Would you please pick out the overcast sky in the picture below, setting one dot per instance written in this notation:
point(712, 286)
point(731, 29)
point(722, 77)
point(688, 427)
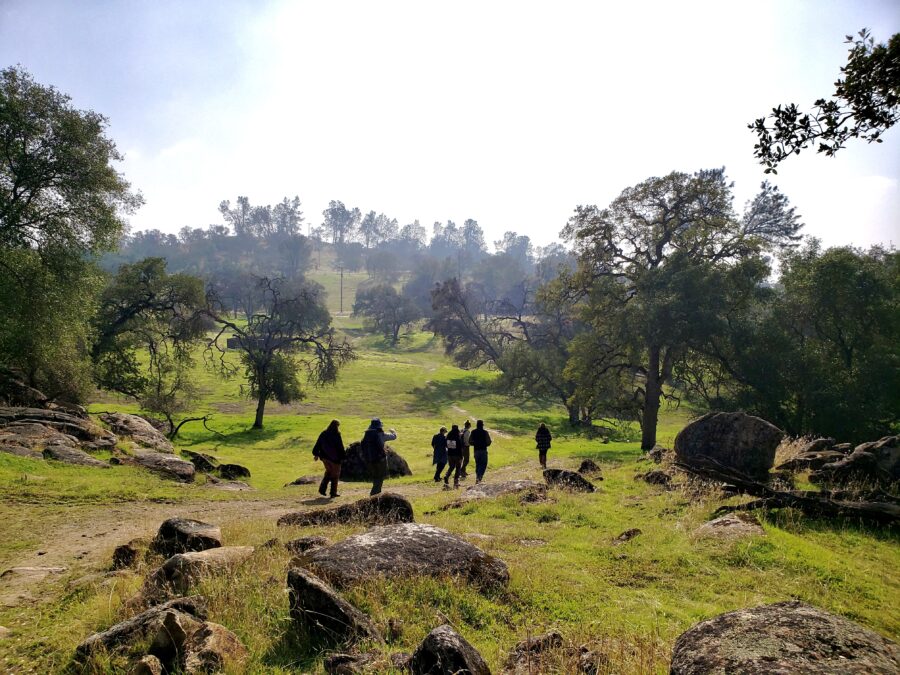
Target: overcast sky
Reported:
point(511, 113)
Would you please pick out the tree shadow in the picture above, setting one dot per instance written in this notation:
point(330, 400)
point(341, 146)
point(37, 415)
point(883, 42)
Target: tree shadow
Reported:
point(434, 396)
point(244, 437)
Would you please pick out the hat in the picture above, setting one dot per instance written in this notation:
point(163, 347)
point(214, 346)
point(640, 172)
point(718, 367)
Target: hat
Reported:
point(376, 423)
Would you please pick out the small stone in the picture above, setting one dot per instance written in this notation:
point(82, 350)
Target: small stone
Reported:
point(567, 480)
point(180, 535)
point(627, 535)
point(446, 652)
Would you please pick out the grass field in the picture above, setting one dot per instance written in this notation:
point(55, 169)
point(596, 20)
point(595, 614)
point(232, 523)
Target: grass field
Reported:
point(626, 602)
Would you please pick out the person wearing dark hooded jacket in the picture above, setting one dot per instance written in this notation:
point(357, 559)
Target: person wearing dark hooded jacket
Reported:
point(454, 456)
point(480, 439)
point(374, 453)
point(439, 456)
point(330, 449)
point(542, 438)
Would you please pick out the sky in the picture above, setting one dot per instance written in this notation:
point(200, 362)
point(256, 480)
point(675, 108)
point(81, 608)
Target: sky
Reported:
point(510, 113)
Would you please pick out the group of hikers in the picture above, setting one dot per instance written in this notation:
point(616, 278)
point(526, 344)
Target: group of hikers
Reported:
point(452, 450)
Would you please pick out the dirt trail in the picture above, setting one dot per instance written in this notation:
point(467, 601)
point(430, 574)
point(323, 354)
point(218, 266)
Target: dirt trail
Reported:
point(81, 538)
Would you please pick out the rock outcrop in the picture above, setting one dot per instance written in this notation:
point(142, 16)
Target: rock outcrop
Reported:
point(404, 550)
point(356, 468)
point(90, 436)
point(179, 573)
point(71, 455)
point(181, 535)
point(737, 441)
point(811, 461)
point(167, 466)
point(323, 614)
point(568, 480)
point(232, 471)
point(787, 637)
point(212, 648)
point(382, 509)
point(202, 462)
point(874, 463)
point(446, 652)
point(140, 430)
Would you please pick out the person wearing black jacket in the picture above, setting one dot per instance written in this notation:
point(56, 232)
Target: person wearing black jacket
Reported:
point(330, 449)
point(439, 457)
point(454, 456)
point(480, 439)
point(543, 438)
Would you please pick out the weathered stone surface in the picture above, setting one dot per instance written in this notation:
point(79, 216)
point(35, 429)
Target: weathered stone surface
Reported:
point(407, 549)
point(810, 461)
point(305, 480)
point(818, 445)
point(180, 535)
point(127, 555)
point(737, 441)
point(446, 652)
point(180, 572)
point(567, 480)
point(655, 477)
point(787, 637)
point(382, 509)
point(731, 526)
point(874, 463)
point(202, 462)
point(351, 664)
point(658, 454)
point(172, 630)
point(323, 614)
point(212, 649)
point(90, 436)
point(494, 490)
point(304, 544)
point(167, 466)
point(140, 430)
point(627, 535)
point(355, 467)
point(228, 485)
point(525, 657)
point(589, 467)
point(72, 455)
point(148, 665)
point(140, 626)
point(233, 471)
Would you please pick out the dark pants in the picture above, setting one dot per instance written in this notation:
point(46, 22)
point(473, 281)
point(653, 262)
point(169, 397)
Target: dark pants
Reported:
point(332, 474)
point(480, 464)
point(542, 457)
point(454, 463)
point(437, 471)
point(379, 471)
point(465, 461)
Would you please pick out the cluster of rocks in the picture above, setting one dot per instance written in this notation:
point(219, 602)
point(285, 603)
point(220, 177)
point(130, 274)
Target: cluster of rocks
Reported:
point(530, 492)
point(568, 480)
point(874, 463)
point(56, 434)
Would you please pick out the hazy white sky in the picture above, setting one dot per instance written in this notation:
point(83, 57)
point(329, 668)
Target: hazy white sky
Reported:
point(511, 113)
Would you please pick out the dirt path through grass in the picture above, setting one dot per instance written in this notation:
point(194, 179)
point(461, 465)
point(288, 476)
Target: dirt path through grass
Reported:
point(81, 538)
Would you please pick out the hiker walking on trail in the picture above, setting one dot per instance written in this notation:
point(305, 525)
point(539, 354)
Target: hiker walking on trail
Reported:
point(454, 456)
point(543, 438)
point(464, 439)
point(480, 439)
point(439, 457)
point(330, 449)
point(372, 448)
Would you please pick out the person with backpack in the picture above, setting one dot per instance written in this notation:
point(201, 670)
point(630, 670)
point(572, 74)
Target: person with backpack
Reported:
point(372, 448)
point(480, 439)
point(330, 449)
point(439, 456)
point(464, 439)
point(454, 456)
point(543, 438)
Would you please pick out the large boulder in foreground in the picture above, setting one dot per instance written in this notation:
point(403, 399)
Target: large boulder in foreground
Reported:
point(140, 430)
point(382, 509)
point(323, 614)
point(180, 535)
point(446, 652)
point(568, 480)
point(787, 637)
point(404, 550)
point(875, 463)
point(356, 468)
point(736, 441)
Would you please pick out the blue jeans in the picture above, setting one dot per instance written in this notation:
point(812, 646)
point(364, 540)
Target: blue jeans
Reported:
point(480, 463)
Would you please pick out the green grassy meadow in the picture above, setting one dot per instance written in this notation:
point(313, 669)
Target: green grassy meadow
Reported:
point(628, 603)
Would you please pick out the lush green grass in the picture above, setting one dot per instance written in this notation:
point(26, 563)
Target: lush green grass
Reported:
point(627, 602)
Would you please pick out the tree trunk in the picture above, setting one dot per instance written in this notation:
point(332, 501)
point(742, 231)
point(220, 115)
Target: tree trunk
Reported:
point(652, 393)
point(574, 414)
point(260, 410)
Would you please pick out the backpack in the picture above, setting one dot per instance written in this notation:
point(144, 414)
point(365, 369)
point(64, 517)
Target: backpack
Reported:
point(372, 447)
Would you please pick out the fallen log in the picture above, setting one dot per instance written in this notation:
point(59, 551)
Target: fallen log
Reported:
point(810, 503)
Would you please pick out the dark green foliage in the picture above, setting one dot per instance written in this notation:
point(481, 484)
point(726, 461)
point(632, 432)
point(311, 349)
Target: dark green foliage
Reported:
point(866, 103)
point(385, 310)
point(60, 200)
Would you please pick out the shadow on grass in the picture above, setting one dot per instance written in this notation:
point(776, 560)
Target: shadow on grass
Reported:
point(294, 653)
point(243, 437)
point(434, 396)
point(791, 520)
